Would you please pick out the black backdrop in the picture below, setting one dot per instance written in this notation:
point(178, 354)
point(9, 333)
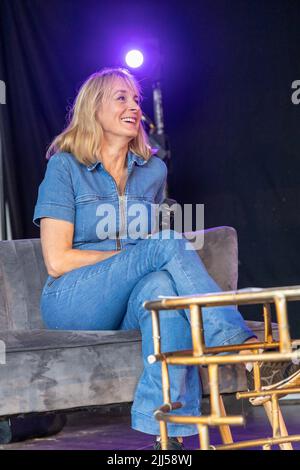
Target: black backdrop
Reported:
point(228, 67)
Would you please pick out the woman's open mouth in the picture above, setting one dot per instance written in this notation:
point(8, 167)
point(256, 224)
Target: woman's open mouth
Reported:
point(129, 120)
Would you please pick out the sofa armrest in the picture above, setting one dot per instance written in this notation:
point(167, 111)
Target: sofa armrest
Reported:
point(220, 255)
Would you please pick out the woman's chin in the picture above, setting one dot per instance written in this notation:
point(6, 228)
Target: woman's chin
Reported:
point(132, 135)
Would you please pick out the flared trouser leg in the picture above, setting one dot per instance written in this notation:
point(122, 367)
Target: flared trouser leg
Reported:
point(175, 335)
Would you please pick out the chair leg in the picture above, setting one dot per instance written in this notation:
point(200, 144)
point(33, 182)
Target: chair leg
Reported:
point(203, 436)
point(282, 426)
point(266, 447)
point(225, 429)
point(284, 432)
point(163, 435)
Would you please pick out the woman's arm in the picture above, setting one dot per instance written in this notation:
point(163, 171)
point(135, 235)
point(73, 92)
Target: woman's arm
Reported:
point(59, 256)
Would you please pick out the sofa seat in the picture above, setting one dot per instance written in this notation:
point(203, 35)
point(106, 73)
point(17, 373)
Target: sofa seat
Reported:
point(56, 369)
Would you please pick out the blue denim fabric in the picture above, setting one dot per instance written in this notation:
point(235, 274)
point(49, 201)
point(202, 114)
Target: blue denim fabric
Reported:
point(80, 194)
point(109, 295)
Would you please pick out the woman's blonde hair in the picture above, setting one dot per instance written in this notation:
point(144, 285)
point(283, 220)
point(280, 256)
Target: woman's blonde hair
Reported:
point(83, 135)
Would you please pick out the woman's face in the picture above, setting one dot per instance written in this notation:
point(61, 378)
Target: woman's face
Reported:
point(120, 113)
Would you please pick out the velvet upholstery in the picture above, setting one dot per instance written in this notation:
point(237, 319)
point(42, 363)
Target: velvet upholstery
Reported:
point(49, 370)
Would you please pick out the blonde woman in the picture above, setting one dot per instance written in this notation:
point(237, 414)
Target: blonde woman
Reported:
point(100, 275)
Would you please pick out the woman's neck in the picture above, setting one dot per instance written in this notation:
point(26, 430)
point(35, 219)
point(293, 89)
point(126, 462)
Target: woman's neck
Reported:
point(113, 157)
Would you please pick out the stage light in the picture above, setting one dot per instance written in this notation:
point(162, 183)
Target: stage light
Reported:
point(134, 58)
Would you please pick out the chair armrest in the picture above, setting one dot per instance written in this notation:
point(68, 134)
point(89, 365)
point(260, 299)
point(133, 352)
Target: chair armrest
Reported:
point(220, 255)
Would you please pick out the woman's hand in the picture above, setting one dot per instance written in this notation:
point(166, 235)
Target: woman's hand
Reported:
point(59, 256)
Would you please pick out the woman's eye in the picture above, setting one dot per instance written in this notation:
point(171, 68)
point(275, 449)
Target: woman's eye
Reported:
point(123, 98)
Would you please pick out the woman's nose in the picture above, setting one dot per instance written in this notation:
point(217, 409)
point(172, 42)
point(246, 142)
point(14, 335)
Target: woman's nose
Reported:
point(134, 106)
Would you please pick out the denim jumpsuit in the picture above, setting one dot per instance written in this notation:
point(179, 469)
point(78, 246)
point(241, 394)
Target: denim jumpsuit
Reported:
point(109, 295)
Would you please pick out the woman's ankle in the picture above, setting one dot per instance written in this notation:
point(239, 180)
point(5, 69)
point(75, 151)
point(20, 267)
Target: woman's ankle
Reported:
point(253, 339)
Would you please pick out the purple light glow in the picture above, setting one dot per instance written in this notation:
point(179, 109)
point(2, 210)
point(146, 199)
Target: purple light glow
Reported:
point(134, 58)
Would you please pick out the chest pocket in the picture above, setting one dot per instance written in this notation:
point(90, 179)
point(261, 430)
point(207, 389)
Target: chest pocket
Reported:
point(97, 218)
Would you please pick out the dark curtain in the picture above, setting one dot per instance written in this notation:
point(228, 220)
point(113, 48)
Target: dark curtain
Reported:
point(228, 68)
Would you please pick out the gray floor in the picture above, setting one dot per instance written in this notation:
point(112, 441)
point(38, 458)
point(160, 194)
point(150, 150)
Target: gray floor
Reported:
point(110, 430)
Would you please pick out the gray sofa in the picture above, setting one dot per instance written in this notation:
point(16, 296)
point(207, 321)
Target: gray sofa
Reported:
point(50, 370)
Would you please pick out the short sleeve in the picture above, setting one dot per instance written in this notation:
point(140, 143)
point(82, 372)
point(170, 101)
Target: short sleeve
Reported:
point(56, 193)
point(160, 196)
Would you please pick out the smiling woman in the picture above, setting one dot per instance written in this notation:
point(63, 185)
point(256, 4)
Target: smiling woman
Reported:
point(106, 98)
point(103, 165)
